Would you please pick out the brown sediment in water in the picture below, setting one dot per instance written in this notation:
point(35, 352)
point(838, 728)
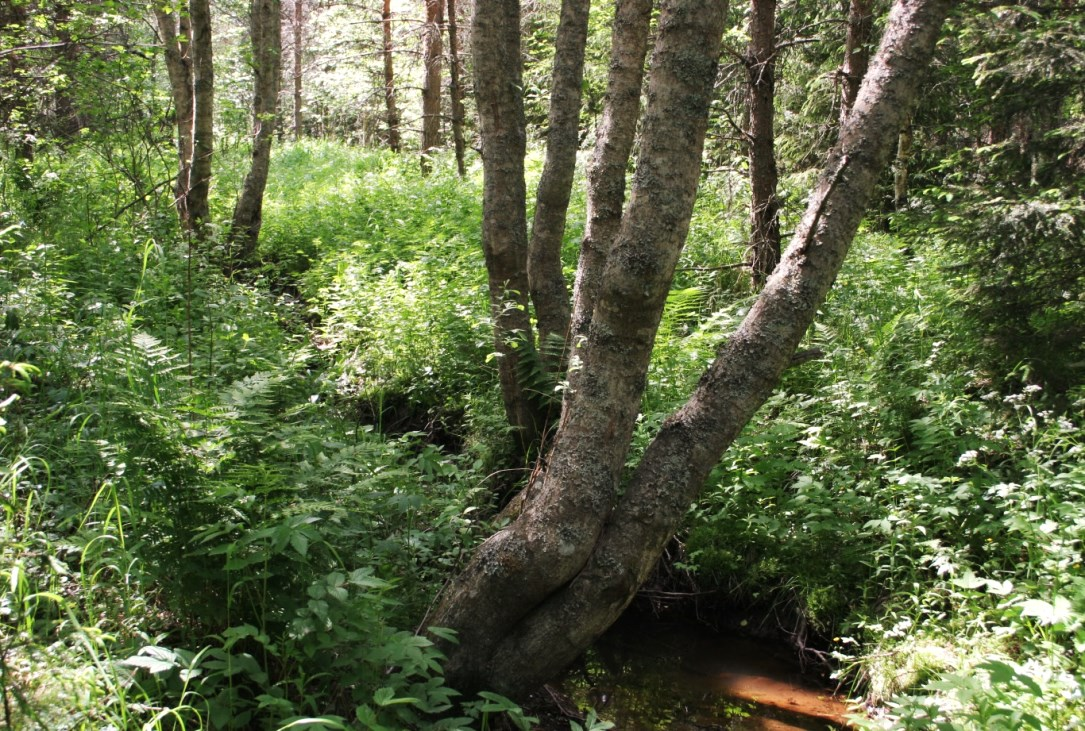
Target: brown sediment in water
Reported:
point(649, 675)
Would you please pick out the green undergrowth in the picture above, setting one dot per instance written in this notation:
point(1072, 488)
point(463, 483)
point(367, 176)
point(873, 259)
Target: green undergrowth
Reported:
point(230, 504)
point(905, 513)
point(198, 529)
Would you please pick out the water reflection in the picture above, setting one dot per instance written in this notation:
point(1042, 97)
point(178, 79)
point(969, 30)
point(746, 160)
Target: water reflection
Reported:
point(673, 676)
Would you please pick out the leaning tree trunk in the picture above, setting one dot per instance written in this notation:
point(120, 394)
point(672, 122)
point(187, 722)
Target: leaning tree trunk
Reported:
point(267, 69)
point(538, 592)
point(613, 145)
point(432, 55)
point(455, 87)
point(856, 53)
point(176, 31)
point(203, 129)
point(391, 112)
point(764, 249)
point(495, 32)
point(549, 293)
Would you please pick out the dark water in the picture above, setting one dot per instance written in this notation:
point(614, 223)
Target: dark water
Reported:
point(649, 675)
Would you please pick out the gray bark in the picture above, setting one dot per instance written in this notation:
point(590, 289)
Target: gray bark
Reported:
point(549, 292)
point(613, 145)
point(495, 32)
point(856, 53)
point(516, 570)
point(267, 70)
point(540, 591)
point(203, 130)
point(175, 32)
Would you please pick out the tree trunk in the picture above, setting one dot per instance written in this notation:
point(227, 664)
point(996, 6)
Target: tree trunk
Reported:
point(495, 32)
point(203, 129)
point(519, 569)
point(432, 55)
point(900, 167)
point(538, 592)
point(613, 144)
point(391, 112)
point(764, 250)
point(856, 53)
point(265, 28)
point(176, 33)
point(455, 88)
point(66, 123)
point(298, 26)
point(549, 292)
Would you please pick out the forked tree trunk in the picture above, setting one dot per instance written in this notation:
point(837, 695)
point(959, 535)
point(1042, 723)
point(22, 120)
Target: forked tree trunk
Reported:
point(495, 32)
point(176, 32)
point(549, 292)
point(538, 592)
point(432, 56)
point(856, 53)
point(455, 87)
point(298, 27)
point(203, 129)
point(613, 145)
point(266, 35)
point(764, 249)
point(515, 573)
point(391, 112)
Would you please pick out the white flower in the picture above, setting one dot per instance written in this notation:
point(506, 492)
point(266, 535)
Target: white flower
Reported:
point(968, 457)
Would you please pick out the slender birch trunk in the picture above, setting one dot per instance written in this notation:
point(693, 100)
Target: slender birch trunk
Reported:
point(265, 29)
point(203, 129)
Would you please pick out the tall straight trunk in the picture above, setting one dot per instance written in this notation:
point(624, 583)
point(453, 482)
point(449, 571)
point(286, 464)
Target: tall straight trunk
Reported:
point(203, 129)
point(495, 31)
point(539, 591)
point(391, 112)
point(265, 28)
point(513, 575)
point(549, 292)
point(176, 33)
point(455, 88)
point(856, 53)
point(610, 159)
point(764, 250)
point(298, 27)
point(900, 167)
point(432, 56)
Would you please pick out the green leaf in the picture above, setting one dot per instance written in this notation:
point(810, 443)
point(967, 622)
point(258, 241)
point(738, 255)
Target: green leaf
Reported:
point(386, 696)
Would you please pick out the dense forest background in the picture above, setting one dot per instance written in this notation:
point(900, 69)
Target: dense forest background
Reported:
point(243, 449)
